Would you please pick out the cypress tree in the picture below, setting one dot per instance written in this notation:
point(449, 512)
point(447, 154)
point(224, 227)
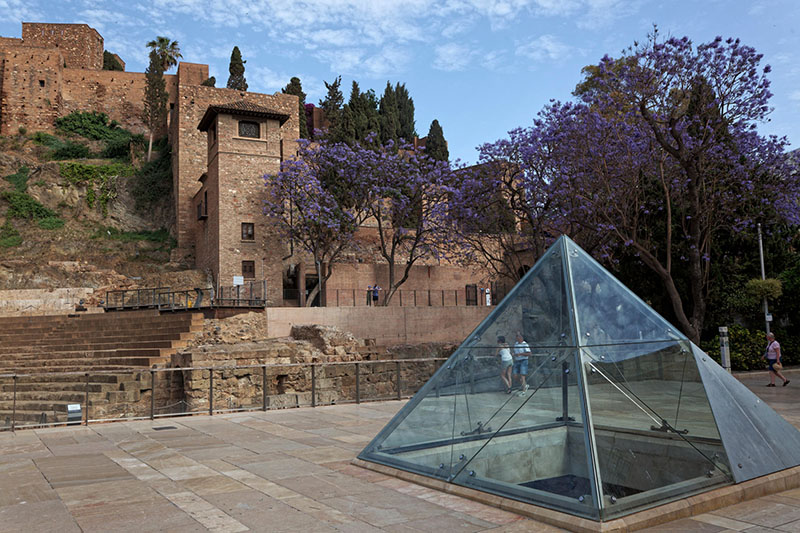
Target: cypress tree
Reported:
point(405, 109)
point(296, 88)
point(435, 145)
point(332, 103)
point(390, 122)
point(154, 112)
point(110, 62)
point(236, 68)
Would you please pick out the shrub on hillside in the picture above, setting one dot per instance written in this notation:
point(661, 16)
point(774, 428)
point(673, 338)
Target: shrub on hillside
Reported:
point(19, 179)
point(51, 223)
point(96, 126)
point(61, 149)
point(22, 205)
point(9, 236)
point(100, 180)
point(153, 182)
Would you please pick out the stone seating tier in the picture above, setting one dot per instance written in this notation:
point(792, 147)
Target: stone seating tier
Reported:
point(121, 342)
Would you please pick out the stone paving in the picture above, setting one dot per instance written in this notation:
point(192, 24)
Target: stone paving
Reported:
point(276, 471)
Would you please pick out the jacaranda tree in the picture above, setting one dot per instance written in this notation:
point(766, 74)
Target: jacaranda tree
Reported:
point(660, 156)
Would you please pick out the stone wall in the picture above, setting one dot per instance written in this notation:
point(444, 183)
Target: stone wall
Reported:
point(291, 385)
point(30, 95)
point(43, 301)
point(117, 94)
point(386, 325)
point(81, 45)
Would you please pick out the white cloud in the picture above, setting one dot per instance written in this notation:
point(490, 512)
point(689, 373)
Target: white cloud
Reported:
point(452, 57)
point(19, 10)
point(544, 48)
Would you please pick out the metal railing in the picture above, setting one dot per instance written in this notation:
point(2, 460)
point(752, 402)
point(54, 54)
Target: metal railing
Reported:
point(401, 298)
point(250, 294)
point(276, 386)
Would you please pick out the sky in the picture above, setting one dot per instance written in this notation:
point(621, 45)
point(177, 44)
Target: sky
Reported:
point(480, 67)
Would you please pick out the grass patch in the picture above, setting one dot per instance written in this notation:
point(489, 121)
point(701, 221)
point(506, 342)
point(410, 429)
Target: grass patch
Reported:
point(61, 149)
point(19, 179)
point(9, 236)
point(50, 223)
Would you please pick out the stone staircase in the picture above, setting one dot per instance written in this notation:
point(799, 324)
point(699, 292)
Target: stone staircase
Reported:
point(56, 360)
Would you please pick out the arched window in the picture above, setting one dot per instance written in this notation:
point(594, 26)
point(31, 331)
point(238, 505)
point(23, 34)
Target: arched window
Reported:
point(249, 129)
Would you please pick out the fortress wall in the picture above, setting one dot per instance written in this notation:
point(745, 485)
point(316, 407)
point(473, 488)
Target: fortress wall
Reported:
point(118, 94)
point(80, 44)
point(31, 83)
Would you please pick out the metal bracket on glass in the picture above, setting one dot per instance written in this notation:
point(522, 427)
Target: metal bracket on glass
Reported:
point(477, 431)
point(666, 428)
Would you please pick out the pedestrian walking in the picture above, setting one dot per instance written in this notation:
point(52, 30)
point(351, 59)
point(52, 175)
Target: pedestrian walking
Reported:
point(773, 356)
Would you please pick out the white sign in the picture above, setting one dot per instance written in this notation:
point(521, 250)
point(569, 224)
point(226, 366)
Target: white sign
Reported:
point(238, 280)
point(768, 317)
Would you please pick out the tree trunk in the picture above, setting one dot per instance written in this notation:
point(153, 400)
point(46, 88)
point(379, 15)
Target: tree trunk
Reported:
point(150, 146)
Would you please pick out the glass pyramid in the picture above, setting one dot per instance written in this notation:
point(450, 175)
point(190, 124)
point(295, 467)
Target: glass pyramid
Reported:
point(613, 417)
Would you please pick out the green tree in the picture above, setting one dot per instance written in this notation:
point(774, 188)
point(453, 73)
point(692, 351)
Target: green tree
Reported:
point(390, 120)
point(296, 88)
point(435, 145)
point(332, 103)
point(358, 118)
point(110, 62)
point(236, 68)
point(167, 51)
point(210, 82)
point(405, 112)
point(154, 111)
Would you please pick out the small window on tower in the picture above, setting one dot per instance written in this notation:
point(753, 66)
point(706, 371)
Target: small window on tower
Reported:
point(249, 269)
point(249, 129)
point(41, 83)
point(248, 231)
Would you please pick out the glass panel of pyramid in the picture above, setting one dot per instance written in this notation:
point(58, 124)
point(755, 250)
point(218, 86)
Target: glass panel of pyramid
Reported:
point(574, 395)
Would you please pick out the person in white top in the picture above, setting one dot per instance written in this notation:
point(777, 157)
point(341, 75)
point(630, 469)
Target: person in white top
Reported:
point(506, 362)
point(521, 353)
point(773, 356)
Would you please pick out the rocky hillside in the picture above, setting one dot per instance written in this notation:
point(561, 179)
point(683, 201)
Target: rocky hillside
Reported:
point(79, 211)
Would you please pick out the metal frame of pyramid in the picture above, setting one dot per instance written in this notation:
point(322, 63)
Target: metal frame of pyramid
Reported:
point(621, 411)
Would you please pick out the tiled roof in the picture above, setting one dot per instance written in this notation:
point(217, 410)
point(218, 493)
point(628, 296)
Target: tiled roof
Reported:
point(240, 107)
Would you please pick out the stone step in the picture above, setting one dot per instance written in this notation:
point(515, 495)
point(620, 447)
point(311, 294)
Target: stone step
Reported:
point(71, 396)
point(28, 417)
point(39, 351)
point(59, 386)
point(60, 377)
point(54, 406)
point(17, 339)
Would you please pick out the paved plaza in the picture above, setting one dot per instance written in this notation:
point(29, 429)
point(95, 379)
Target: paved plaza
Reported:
point(285, 470)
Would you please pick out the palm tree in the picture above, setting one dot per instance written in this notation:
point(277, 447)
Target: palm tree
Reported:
point(167, 50)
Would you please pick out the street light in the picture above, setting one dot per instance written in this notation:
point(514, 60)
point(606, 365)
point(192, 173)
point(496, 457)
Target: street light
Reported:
point(767, 316)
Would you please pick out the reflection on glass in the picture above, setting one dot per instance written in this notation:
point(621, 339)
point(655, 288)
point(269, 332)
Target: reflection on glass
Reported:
point(607, 412)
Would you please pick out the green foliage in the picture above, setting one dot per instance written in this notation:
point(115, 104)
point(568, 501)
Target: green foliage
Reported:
point(152, 183)
point(22, 205)
point(19, 179)
point(236, 68)
point(91, 125)
point(390, 115)
point(210, 82)
point(435, 145)
point(110, 62)
point(332, 103)
point(61, 149)
point(768, 288)
point(50, 223)
point(100, 181)
point(747, 346)
point(296, 88)
point(405, 112)
point(154, 112)
point(9, 236)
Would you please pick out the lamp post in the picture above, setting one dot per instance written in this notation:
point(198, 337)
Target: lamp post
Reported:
point(767, 317)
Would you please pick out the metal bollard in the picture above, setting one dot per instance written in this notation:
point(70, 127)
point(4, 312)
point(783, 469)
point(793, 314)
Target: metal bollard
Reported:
point(14, 405)
point(264, 387)
point(210, 391)
point(313, 386)
point(87, 399)
point(358, 383)
point(399, 394)
point(725, 348)
point(152, 394)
